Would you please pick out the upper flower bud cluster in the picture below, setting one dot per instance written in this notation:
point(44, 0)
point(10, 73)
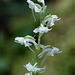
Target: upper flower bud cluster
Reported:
point(48, 21)
point(36, 7)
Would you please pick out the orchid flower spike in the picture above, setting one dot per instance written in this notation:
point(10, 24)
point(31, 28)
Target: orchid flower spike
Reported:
point(50, 19)
point(25, 40)
point(33, 6)
point(33, 68)
point(41, 29)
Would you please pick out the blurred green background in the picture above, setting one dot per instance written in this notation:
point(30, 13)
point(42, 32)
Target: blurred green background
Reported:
point(16, 20)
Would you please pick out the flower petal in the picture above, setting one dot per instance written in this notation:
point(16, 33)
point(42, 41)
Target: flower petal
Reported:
point(19, 40)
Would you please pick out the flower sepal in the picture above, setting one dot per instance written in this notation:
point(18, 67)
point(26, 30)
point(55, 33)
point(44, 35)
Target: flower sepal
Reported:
point(29, 37)
point(38, 6)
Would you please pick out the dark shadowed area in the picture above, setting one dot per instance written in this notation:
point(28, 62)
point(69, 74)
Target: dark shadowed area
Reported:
point(16, 20)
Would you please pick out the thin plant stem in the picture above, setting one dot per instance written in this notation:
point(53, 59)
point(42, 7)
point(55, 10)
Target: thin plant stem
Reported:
point(33, 16)
point(39, 40)
point(31, 49)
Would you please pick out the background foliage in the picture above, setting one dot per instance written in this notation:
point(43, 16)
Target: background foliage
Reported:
point(16, 20)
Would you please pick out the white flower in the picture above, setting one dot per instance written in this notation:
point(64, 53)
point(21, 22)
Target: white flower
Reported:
point(54, 51)
point(27, 74)
point(42, 29)
point(50, 51)
point(25, 40)
point(50, 19)
point(32, 6)
point(33, 68)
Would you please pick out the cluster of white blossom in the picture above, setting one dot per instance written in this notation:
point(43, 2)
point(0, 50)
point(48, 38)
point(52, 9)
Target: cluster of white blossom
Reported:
point(48, 20)
point(36, 7)
point(44, 27)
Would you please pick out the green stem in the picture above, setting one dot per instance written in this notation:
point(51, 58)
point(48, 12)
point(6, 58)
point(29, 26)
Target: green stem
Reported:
point(40, 18)
point(38, 51)
point(39, 38)
point(33, 16)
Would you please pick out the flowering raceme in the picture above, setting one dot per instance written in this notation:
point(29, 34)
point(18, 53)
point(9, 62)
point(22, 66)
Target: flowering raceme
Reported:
point(41, 50)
